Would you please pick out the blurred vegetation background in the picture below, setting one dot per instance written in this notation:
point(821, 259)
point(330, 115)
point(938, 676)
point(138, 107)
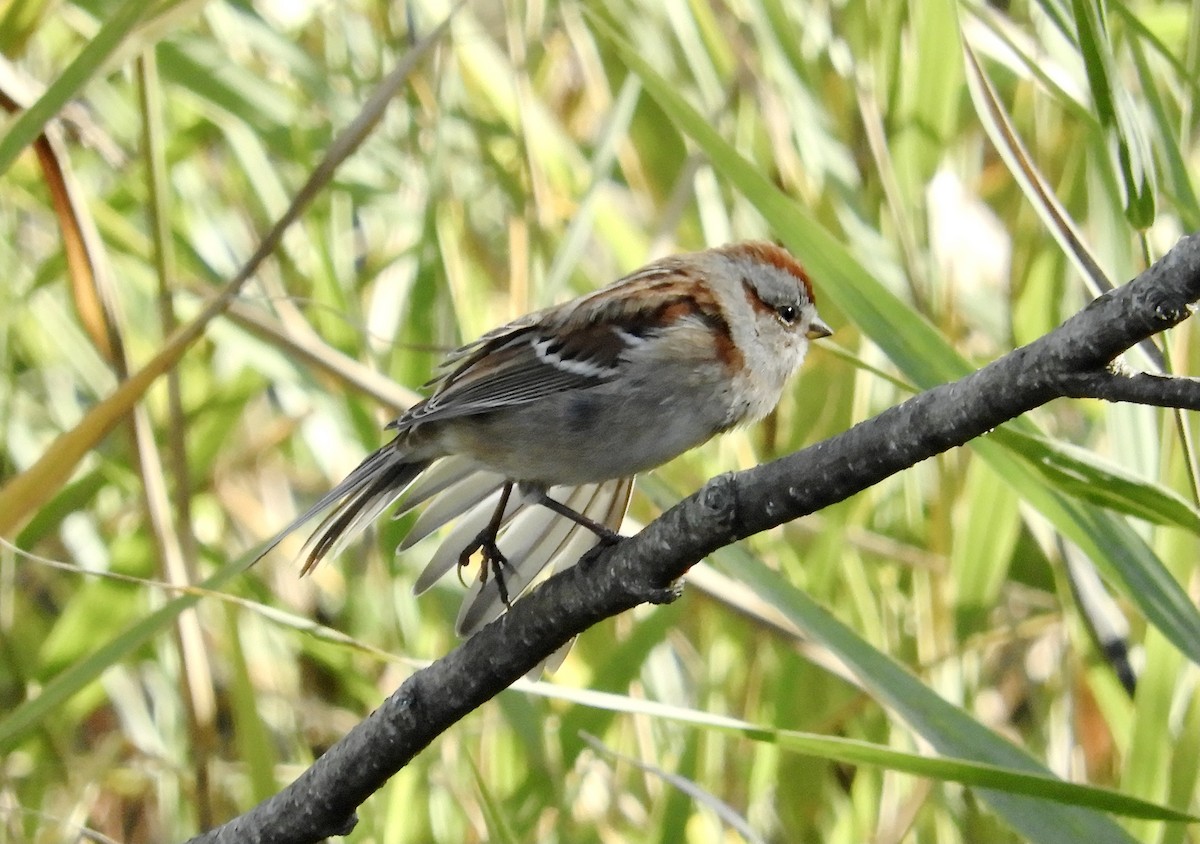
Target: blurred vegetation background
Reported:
point(958, 177)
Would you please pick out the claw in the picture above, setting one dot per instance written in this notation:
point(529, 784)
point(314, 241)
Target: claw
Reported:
point(492, 558)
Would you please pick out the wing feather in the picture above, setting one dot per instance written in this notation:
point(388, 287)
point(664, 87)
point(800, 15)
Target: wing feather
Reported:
point(523, 367)
point(565, 348)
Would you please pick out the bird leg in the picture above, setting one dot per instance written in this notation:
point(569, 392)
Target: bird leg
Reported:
point(607, 535)
point(485, 542)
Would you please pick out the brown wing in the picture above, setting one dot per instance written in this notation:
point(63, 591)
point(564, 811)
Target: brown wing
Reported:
point(521, 367)
point(575, 346)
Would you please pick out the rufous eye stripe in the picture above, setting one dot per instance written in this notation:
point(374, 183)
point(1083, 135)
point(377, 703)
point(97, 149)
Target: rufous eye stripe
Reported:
point(769, 253)
point(755, 301)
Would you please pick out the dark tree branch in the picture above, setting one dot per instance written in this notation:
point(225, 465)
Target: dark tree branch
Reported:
point(1136, 387)
point(1072, 360)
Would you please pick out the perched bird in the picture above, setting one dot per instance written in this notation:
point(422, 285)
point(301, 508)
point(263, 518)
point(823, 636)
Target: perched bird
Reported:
point(535, 430)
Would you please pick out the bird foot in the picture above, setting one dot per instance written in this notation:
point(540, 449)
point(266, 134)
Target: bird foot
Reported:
point(492, 562)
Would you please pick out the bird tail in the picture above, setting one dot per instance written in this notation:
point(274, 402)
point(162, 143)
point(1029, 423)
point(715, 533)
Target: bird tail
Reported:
point(540, 542)
point(353, 504)
point(537, 542)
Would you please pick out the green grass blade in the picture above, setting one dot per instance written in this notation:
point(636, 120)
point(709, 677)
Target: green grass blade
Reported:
point(949, 729)
point(1010, 779)
point(25, 717)
point(925, 357)
point(91, 58)
point(1128, 143)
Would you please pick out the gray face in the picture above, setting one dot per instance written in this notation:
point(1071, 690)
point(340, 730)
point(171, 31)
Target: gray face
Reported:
point(787, 299)
point(780, 305)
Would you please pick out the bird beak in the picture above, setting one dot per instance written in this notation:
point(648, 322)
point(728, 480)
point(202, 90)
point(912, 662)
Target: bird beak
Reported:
point(818, 329)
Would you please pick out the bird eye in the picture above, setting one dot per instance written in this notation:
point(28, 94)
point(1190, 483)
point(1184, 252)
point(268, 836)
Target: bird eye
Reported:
point(788, 314)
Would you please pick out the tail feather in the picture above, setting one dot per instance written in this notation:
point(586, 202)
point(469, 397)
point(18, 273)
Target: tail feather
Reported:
point(451, 503)
point(443, 474)
point(461, 535)
point(534, 539)
point(608, 508)
point(537, 540)
point(357, 501)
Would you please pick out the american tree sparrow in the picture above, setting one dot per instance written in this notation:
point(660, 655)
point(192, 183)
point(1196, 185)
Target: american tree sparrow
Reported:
point(536, 429)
